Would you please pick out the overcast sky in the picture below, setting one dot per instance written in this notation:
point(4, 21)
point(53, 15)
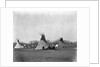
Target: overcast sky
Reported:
point(28, 25)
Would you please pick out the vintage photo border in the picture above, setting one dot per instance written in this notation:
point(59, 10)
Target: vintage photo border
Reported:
point(64, 7)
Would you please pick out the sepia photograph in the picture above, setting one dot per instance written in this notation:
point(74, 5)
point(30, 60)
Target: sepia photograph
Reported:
point(44, 36)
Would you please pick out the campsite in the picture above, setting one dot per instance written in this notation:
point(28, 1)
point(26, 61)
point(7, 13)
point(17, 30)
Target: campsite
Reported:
point(45, 51)
point(44, 36)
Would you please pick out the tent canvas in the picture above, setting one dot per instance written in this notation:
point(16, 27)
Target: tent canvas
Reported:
point(61, 44)
point(18, 45)
point(43, 43)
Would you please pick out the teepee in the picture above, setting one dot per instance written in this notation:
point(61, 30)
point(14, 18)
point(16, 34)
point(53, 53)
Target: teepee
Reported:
point(61, 44)
point(42, 44)
point(18, 44)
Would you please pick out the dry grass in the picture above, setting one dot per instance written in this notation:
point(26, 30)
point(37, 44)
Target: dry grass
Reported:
point(31, 55)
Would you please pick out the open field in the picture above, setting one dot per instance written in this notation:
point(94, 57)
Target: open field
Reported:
point(31, 55)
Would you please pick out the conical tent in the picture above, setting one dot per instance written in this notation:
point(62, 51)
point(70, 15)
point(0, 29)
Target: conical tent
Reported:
point(61, 44)
point(42, 44)
point(18, 45)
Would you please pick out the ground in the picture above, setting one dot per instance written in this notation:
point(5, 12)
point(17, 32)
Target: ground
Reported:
point(32, 55)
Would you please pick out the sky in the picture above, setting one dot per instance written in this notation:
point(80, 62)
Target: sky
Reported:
point(27, 26)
